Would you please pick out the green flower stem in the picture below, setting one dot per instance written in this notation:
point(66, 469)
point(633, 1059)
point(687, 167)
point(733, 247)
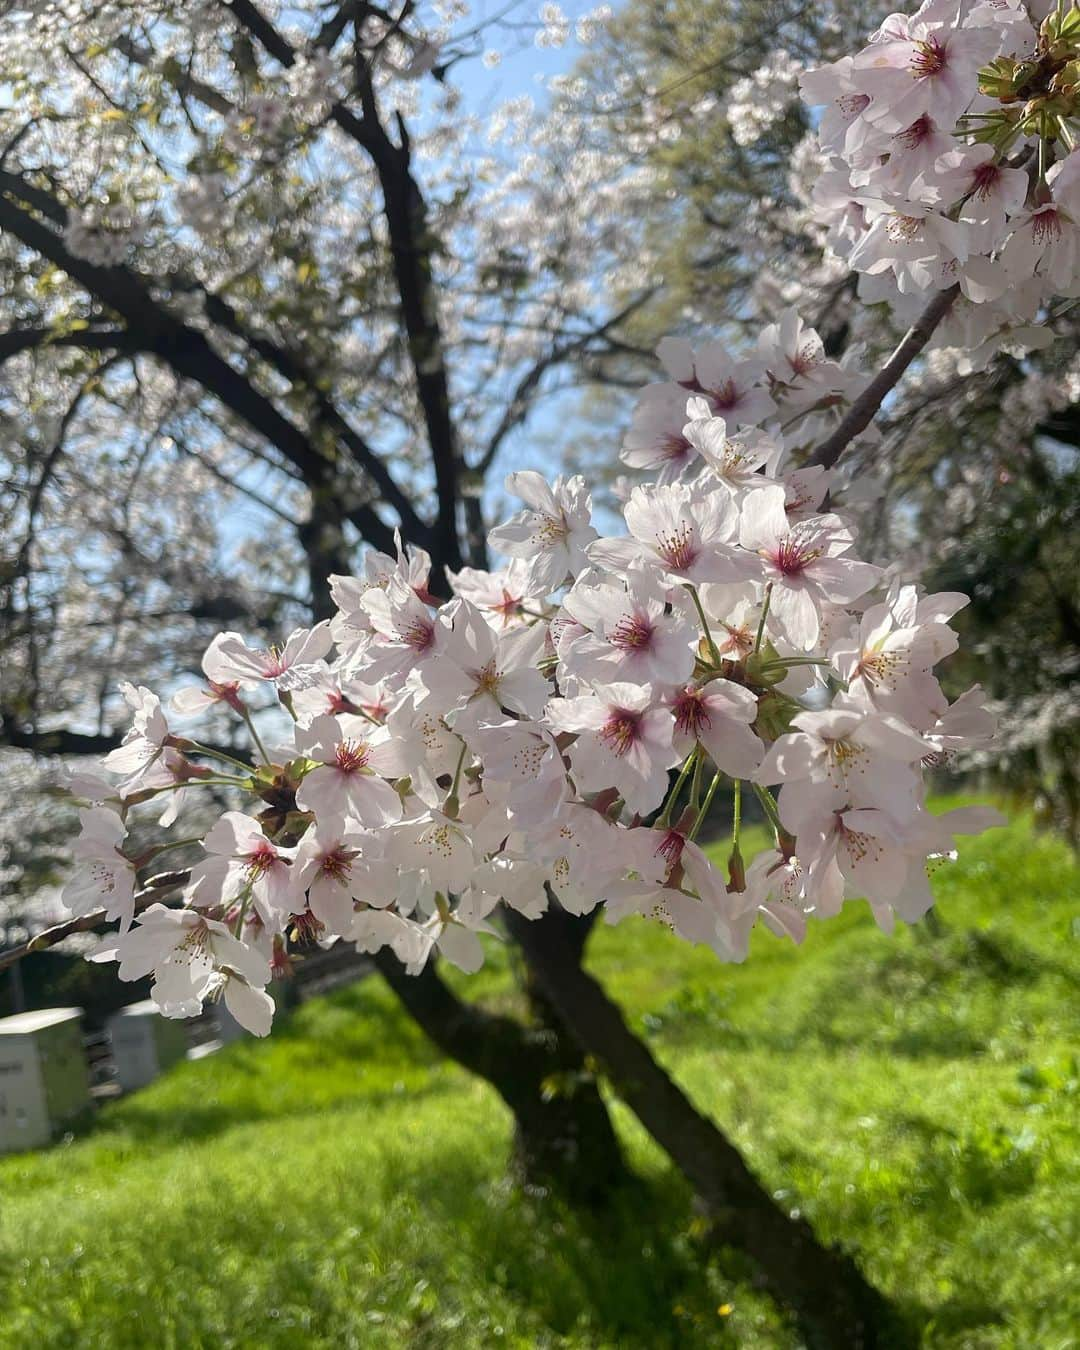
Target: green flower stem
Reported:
point(695, 784)
point(664, 818)
point(714, 651)
point(705, 806)
point(198, 749)
point(453, 804)
point(737, 814)
point(246, 714)
point(768, 805)
point(171, 843)
point(764, 616)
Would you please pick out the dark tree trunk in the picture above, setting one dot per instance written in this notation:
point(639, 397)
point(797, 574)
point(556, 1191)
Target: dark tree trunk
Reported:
point(563, 1136)
point(835, 1305)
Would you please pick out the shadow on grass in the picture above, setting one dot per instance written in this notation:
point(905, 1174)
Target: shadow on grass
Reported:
point(637, 1273)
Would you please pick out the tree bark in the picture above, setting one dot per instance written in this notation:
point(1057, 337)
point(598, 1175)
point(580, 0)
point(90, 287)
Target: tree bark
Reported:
point(834, 1303)
point(563, 1136)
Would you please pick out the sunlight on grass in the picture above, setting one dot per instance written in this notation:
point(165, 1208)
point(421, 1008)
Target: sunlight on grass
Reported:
point(341, 1186)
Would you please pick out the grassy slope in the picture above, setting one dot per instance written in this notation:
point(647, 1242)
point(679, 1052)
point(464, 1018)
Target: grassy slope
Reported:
point(340, 1186)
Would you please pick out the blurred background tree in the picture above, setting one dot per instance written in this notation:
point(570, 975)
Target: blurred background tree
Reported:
point(976, 474)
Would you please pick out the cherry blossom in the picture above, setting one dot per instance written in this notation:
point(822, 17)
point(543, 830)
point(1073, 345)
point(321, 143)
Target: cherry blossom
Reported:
point(680, 535)
point(144, 744)
point(243, 861)
point(191, 956)
point(554, 530)
point(803, 564)
point(630, 637)
point(345, 785)
point(103, 876)
point(623, 741)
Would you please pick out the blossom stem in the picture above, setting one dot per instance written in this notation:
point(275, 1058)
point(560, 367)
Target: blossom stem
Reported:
point(714, 651)
point(705, 806)
point(790, 662)
point(152, 853)
point(245, 901)
point(736, 821)
point(768, 805)
point(199, 749)
point(664, 817)
point(695, 783)
point(764, 616)
point(452, 804)
point(219, 780)
point(246, 714)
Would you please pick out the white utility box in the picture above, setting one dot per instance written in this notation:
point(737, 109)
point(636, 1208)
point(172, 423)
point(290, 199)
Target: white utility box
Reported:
point(43, 1079)
point(144, 1044)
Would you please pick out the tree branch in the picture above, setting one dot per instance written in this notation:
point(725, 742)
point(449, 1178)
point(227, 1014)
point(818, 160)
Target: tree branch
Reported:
point(184, 349)
point(154, 889)
point(861, 413)
point(410, 248)
point(518, 408)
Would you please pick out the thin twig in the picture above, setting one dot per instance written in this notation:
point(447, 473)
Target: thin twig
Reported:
point(154, 889)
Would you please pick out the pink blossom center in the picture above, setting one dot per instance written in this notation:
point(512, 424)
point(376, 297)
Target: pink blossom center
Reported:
point(260, 860)
point(670, 846)
point(914, 136)
point(879, 668)
point(228, 693)
point(674, 448)
point(985, 179)
point(621, 730)
point(903, 229)
point(509, 606)
point(691, 714)
point(804, 359)
point(794, 555)
point(275, 662)
point(633, 632)
point(419, 634)
point(336, 865)
point(307, 927)
point(928, 59)
point(678, 547)
point(352, 756)
point(1046, 226)
point(726, 397)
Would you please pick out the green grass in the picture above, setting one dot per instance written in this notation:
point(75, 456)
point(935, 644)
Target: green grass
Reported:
point(339, 1185)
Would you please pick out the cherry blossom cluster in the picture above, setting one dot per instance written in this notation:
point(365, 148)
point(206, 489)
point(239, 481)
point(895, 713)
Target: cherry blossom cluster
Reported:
point(558, 731)
point(950, 141)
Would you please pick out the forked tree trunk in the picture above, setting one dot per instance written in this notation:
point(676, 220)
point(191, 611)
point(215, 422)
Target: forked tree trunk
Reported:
point(563, 1136)
point(835, 1305)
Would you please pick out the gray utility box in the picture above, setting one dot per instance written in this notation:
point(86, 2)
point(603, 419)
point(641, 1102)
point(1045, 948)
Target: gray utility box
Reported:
point(43, 1079)
point(144, 1044)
